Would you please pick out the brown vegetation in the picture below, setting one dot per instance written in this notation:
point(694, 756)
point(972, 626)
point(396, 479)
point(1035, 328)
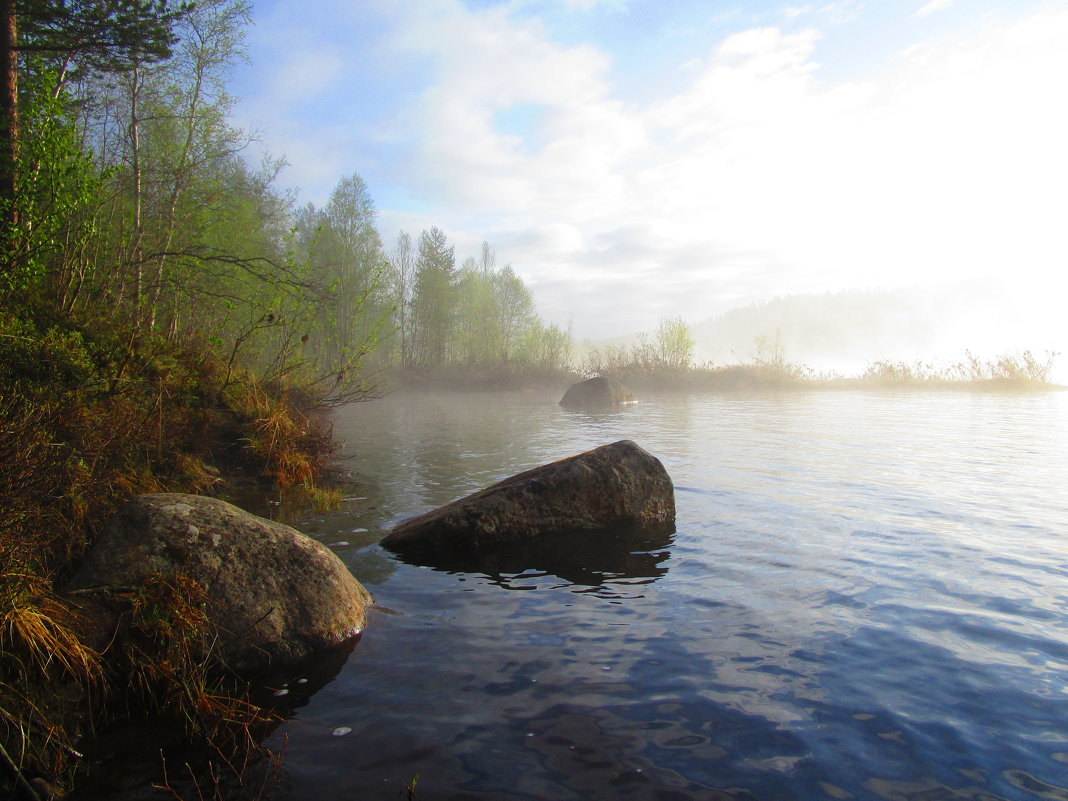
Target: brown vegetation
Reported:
point(82, 431)
point(1009, 370)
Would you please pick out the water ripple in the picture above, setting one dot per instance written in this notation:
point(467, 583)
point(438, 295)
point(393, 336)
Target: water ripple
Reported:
point(866, 598)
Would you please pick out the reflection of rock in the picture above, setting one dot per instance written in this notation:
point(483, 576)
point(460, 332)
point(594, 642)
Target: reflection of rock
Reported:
point(274, 594)
point(286, 690)
point(623, 554)
point(126, 758)
point(613, 485)
point(596, 394)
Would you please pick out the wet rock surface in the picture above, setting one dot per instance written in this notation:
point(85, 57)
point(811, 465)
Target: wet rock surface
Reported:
point(274, 594)
point(596, 394)
point(619, 484)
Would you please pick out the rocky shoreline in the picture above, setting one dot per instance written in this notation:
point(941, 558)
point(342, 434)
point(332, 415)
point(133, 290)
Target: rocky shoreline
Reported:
point(181, 592)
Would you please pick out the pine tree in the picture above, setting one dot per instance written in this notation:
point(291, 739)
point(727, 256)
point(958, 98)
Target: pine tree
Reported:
point(105, 35)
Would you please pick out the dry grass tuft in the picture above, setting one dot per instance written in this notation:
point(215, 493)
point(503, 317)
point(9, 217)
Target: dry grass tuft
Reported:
point(41, 649)
point(38, 625)
point(170, 655)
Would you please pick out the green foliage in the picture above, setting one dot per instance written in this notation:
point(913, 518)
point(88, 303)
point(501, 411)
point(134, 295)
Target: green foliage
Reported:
point(669, 350)
point(58, 189)
point(327, 334)
point(479, 319)
point(103, 34)
point(162, 315)
point(674, 343)
point(435, 299)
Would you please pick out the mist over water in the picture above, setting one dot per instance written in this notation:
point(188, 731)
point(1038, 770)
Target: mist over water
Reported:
point(864, 597)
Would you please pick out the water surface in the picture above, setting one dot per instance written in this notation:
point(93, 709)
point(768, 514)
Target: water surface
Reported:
point(864, 598)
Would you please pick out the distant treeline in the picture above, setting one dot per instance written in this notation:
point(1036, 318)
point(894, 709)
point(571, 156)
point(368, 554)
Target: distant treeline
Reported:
point(477, 316)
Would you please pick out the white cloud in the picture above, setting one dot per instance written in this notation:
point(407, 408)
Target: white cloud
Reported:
point(760, 178)
point(589, 5)
point(794, 12)
point(488, 63)
point(304, 63)
point(942, 172)
point(933, 6)
point(836, 13)
point(296, 76)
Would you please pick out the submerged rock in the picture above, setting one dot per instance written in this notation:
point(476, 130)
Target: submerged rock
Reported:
point(274, 594)
point(617, 484)
point(596, 394)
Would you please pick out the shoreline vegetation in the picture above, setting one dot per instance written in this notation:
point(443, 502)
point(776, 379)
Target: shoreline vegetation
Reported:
point(1006, 373)
point(664, 361)
point(1009, 372)
point(82, 433)
point(171, 320)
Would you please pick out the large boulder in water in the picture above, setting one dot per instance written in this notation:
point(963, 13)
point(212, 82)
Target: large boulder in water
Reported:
point(274, 594)
point(596, 394)
point(617, 484)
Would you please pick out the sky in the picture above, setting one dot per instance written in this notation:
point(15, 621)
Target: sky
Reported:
point(635, 159)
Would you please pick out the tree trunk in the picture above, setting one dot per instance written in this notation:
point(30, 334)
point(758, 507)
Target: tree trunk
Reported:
point(9, 112)
point(135, 257)
point(180, 180)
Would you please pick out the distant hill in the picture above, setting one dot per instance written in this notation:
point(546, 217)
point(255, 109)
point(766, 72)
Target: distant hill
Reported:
point(848, 330)
point(840, 329)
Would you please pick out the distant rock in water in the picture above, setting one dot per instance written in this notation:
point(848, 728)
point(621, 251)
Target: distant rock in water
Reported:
point(274, 594)
point(617, 484)
point(596, 394)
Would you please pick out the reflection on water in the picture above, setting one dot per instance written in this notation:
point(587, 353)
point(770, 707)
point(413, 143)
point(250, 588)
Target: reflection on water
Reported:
point(585, 559)
point(865, 598)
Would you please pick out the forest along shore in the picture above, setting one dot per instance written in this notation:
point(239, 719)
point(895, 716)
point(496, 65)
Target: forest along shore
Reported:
point(172, 320)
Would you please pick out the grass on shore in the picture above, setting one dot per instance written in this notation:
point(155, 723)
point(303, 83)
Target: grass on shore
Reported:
point(89, 418)
point(1008, 371)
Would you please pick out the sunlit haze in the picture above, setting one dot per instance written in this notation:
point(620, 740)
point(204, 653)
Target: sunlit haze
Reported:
point(636, 159)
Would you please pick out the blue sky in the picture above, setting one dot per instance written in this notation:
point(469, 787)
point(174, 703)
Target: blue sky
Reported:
point(639, 158)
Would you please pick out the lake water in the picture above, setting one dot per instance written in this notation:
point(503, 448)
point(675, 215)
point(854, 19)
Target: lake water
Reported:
point(865, 597)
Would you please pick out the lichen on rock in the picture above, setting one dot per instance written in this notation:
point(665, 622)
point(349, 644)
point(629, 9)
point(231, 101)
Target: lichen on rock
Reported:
point(273, 594)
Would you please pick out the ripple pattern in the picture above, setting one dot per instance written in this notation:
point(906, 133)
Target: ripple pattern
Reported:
point(866, 597)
